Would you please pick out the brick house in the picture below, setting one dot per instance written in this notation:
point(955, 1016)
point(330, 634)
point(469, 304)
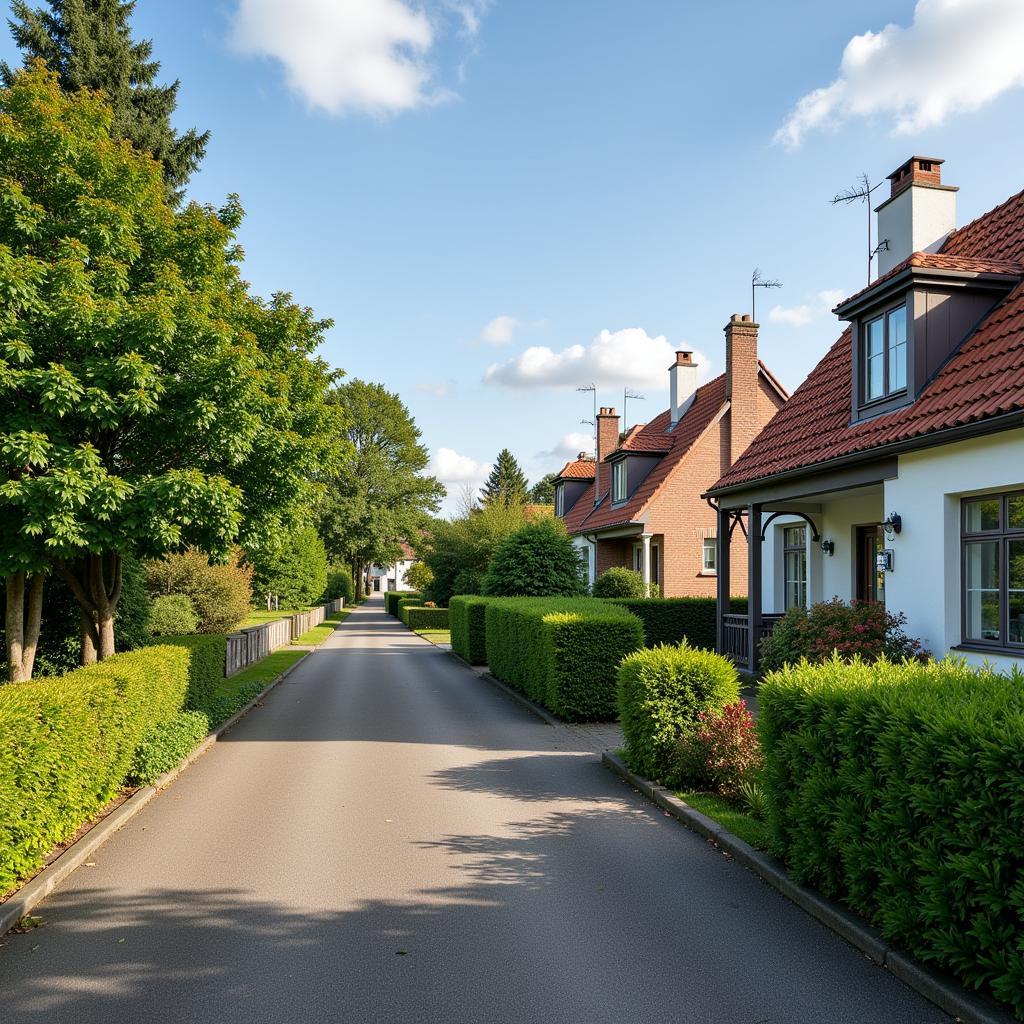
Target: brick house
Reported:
point(895, 473)
point(639, 504)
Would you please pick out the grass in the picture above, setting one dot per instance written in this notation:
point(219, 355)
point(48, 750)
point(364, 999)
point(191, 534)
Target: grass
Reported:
point(736, 820)
point(264, 672)
point(318, 634)
point(436, 636)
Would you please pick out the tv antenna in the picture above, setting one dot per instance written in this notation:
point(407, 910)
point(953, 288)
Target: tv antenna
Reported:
point(627, 394)
point(593, 389)
point(861, 193)
point(757, 281)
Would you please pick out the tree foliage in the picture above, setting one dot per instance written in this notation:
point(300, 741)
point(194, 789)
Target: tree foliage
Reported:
point(89, 44)
point(294, 571)
point(221, 593)
point(538, 560)
point(506, 484)
point(543, 491)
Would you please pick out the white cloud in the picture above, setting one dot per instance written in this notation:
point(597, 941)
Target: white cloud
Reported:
point(570, 446)
point(956, 56)
point(613, 359)
point(437, 388)
point(807, 312)
point(452, 468)
point(500, 331)
point(353, 56)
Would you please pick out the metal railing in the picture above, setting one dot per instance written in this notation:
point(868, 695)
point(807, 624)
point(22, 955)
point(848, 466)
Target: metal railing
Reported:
point(736, 634)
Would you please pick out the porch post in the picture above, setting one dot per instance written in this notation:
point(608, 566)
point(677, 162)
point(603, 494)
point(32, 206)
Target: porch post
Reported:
point(645, 563)
point(722, 586)
point(754, 567)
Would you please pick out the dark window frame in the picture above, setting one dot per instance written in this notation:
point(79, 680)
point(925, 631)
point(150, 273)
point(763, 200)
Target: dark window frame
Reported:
point(795, 549)
point(1003, 534)
point(559, 500)
point(887, 395)
point(618, 499)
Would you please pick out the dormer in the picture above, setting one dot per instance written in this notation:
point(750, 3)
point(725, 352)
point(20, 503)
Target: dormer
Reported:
point(572, 483)
point(629, 469)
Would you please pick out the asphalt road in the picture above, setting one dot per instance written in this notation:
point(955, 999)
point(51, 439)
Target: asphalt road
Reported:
point(390, 838)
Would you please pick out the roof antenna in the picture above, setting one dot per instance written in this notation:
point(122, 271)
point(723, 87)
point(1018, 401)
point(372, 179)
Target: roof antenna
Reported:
point(592, 388)
point(627, 394)
point(757, 281)
point(861, 192)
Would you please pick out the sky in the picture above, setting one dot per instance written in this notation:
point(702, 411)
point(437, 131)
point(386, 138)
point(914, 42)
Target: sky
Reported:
point(497, 201)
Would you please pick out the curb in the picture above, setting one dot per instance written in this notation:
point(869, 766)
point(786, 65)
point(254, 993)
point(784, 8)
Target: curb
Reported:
point(33, 892)
point(946, 994)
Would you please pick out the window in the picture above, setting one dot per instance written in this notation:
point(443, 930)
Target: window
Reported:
point(993, 570)
point(619, 480)
point(559, 501)
point(794, 549)
point(885, 355)
point(710, 555)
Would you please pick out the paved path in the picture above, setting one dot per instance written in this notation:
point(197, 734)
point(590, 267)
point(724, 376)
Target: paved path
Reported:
point(391, 839)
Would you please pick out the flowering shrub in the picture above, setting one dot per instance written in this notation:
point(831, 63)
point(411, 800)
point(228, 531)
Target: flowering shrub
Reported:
point(863, 628)
point(723, 752)
point(429, 604)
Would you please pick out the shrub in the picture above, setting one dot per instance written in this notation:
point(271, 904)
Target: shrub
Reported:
point(340, 584)
point(294, 569)
point(673, 620)
point(538, 560)
point(469, 582)
point(220, 594)
point(722, 752)
point(206, 657)
point(419, 576)
point(467, 618)
point(172, 615)
point(662, 692)
point(899, 789)
point(620, 582)
point(561, 652)
point(67, 743)
point(862, 629)
point(421, 617)
point(392, 597)
point(166, 746)
point(406, 601)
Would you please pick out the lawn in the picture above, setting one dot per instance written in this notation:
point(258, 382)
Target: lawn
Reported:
point(318, 634)
point(436, 636)
point(736, 820)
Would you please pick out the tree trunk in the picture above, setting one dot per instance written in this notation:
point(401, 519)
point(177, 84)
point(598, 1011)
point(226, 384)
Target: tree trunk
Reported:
point(95, 582)
point(24, 614)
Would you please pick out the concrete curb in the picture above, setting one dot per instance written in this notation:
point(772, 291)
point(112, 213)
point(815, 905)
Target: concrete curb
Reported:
point(32, 893)
point(542, 713)
point(945, 993)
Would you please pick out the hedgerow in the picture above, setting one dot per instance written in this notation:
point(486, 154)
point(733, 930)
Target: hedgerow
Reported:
point(899, 789)
point(166, 746)
point(418, 617)
point(206, 657)
point(392, 598)
point(467, 618)
point(407, 601)
point(561, 652)
point(671, 620)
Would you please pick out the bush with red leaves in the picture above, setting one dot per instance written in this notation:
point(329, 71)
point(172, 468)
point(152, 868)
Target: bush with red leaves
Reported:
point(723, 752)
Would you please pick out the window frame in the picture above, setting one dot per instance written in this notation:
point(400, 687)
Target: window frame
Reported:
point(887, 394)
point(619, 477)
point(787, 550)
point(1003, 535)
point(560, 500)
point(709, 570)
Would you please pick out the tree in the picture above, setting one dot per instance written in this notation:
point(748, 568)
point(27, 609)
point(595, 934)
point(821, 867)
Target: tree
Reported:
point(380, 496)
point(88, 43)
point(538, 560)
point(147, 401)
point(295, 571)
point(506, 484)
point(419, 576)
point(221, 593)
point(543, 491)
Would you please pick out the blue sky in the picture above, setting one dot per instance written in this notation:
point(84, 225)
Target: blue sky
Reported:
point(417, 171)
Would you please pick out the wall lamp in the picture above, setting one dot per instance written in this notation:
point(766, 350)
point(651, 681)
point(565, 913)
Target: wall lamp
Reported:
point(892, 525)
point(829, 547)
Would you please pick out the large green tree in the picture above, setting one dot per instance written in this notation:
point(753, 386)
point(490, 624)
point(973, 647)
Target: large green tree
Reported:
point(506, 483)
point(147, 401)
point(543, 491)
point(381, 496)
point(294, 570)
point(89, 44)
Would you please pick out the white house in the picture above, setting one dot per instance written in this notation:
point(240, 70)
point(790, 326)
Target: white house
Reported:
point(895, 472)
point(392, 577)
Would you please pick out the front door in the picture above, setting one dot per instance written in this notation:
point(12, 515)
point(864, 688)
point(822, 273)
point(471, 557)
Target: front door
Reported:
point(870, 579)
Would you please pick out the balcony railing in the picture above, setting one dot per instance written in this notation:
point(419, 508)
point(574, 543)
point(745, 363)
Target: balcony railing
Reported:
point(736, 635)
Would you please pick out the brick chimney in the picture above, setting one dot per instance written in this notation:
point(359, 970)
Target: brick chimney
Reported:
point(919, 213)
point(741, 383)
point(607, 442)
point(682, 385)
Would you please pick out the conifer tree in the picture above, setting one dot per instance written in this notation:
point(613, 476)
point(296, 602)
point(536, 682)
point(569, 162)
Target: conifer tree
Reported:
point(88, 43)
point(506, 483)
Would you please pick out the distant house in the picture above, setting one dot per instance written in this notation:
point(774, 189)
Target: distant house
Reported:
point(639, 504)
point(899, 463)
point(392, 577)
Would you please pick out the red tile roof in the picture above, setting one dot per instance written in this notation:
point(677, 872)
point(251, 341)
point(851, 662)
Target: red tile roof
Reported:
point(407, 552)
point(578, 469)
point(985, 378)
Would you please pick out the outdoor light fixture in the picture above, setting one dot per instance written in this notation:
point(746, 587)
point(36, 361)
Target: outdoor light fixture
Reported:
point(829, 547)
point(893, 525)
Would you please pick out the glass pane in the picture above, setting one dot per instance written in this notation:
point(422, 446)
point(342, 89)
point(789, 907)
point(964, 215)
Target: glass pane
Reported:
point(796, 579)
point(879, 573)
point(794, 536)
point(982, 514)
point(898, 349)
point(982, 590)
point(874, 356)
point(1015, 592)
point(1015, 513)
point(709, 555)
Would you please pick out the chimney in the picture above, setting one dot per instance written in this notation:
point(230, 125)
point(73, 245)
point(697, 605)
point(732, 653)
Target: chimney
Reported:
point(919, 213)
point(607, 442)
point(682, 385)
point(741, 384)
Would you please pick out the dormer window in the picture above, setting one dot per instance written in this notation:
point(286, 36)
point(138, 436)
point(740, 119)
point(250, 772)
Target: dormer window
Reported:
point(559, 501)
point(619, 480)
point(885, 354)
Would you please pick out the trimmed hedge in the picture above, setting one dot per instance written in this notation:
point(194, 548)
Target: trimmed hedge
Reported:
point(166, 746)
point(417, 617)
point(562, 652)
point(393, 597)
point(207, 654)
point(67, 745)
point(671, 620)
point(899, 789)
point(467, 618)
point(661, 691)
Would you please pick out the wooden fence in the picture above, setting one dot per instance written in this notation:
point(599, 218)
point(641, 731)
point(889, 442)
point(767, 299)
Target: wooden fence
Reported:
point(247, 646)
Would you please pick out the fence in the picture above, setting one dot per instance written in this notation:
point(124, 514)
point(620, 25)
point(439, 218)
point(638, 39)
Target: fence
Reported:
point(249, 645)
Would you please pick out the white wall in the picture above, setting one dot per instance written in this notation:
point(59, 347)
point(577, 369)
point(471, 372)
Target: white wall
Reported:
point(587, 551)
point(839, 521)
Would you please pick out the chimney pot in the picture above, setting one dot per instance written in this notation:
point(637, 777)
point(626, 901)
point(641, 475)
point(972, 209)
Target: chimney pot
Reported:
point(682, 381)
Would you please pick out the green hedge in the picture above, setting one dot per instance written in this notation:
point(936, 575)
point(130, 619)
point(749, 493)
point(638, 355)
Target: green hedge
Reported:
point(207, 654)
point(392, 599)
point(467, 618)
point(899, 789)
point(166, 746)
point(561, 652)
point(671, 620)
point(67, 745)
point(661, 693)
point(417, 617)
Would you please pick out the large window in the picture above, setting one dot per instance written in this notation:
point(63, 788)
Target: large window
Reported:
point(619, 480)
point(993, 570)
point(885, 354)
point(794, 552)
